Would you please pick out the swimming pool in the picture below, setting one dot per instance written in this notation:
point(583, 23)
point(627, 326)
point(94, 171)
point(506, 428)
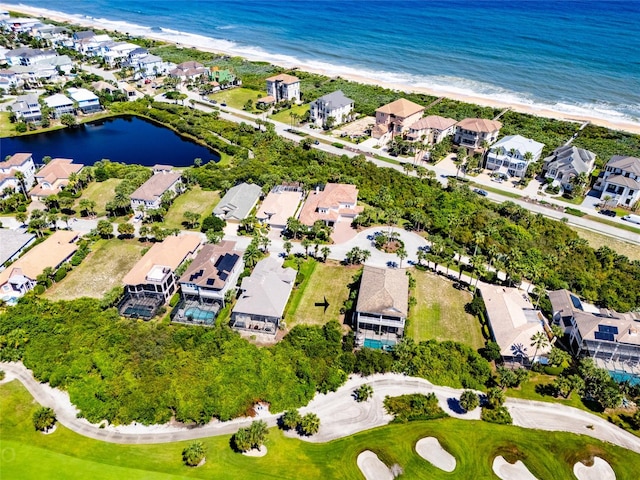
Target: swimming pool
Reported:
point(622, 377)
point(378, 344)
point(195, 313)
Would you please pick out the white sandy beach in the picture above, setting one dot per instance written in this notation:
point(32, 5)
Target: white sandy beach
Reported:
point(229, 48)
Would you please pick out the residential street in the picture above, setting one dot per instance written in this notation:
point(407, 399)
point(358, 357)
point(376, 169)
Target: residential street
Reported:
point(340, 415)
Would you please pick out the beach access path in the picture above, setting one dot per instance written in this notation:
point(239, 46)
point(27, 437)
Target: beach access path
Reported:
point(340, 415)
point(443, 170)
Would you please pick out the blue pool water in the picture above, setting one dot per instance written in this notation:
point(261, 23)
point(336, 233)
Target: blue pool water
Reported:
point(200, 315)
point(378, 344)
point(622, 377)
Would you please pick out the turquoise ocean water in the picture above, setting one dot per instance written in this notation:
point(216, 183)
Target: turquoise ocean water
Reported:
point(574, 56)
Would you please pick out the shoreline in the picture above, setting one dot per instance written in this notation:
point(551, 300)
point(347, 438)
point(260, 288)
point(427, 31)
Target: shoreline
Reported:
point(210, 45)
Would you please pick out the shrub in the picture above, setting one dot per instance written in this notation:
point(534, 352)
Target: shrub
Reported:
point(407, 408)
point(2, 374)
point(469, 400)
point(498, 415)
point(193, 454)
point(174, 299)
point(251, 437)
point(43, 419)
point(309, 424)
point(363, 393)
point(290, 420)
point(60, 274)
point(39, 289)
point(337, 145)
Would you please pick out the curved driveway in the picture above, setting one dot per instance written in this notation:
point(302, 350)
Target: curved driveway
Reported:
point(340, 415)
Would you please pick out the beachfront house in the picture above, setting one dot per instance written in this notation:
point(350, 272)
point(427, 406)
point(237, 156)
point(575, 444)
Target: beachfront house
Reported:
point(476, 133)
point(60, 104)
point(223, 77)
point(279, 205)
point(568, 162)
point(26, 108)
point(191, 70)
point(431, 129)
point(237, 203)
point(149, 195)
point(336, 203)
point(152, 281)
point(619, 181)
point(331, 109)
point(87, 101)
point(149, 66)
point(50, 70)
point(263, 298)
point(512, 321)
point(283, 88)
point(56, 36)
point(12, 244)
point(511, 155)
point(612, 339)
point(207, 281)
point(10, 170)
point(382, 307)
point(20, 277)
point(20, 24)
point(395, 119)
point(53, 177)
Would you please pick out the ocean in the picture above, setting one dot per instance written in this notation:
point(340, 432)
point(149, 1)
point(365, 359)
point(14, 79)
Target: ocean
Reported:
point(580, 57)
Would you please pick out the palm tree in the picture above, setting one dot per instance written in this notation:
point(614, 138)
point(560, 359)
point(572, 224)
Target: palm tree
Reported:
point(309, 424)
point(306, 243)
point(325, 253)
point(252, 255)
point(539, 340)
point(287, 247)
point(193, 454)
point(23, 187)
point(402, 254)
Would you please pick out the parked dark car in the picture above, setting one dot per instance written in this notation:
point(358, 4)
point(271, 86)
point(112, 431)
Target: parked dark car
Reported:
point(608, 213)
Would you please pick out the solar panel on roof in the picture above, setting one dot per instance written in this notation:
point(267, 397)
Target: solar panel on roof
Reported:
point(210, 281)
point(604, 336)
point(608, 329)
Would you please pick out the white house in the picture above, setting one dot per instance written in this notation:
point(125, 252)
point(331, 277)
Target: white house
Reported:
point(567, 162)
point(335, 105)
point(283, 87)
point(28, 56)
point(150, 66)
point(433, 128)
point(8, 79)
point(20, 25)
point(87, 100)
point(149, 195)
point(19, 162)
point(472, 133)
point(620, 180)
point(117, 52)
point(512, 155)
point(27, 108)
point(60, 104)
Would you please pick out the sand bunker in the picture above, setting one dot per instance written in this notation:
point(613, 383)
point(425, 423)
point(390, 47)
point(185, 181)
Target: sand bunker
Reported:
point(600, 470)
point(511, 471)
point(256, 452)
point(372, 467)
point(429, 448)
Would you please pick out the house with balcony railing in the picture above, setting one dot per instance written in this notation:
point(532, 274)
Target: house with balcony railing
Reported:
point(620, 181)
point(512, 155)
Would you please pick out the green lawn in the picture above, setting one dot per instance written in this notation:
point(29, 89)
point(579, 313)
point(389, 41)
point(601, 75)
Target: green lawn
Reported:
point(27, 454)
point(284, 115)
point(101, 193)
point(102, 270)
point(597, 240)
point(440, 313)
point(6, 127)
point(322, 280)
point(195, 200)
point(237, 97)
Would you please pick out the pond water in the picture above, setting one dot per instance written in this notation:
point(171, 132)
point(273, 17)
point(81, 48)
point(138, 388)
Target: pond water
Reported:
point(122, 139)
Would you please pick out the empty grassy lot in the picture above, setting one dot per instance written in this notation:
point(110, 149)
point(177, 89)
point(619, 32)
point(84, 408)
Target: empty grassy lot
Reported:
point(440, 313)
point(284, 115)
point(101, 193)
point(237, 97)
point(102, 270)
point(195, 200)
point(597, 240)
point(28, 454)
point(6, 127)
point(322, 280)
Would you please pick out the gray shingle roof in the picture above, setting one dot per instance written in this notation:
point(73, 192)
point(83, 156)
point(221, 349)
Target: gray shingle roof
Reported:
point(267, 290)
point(238, 201)
point(569, 157)
point(335, 99)
point(11, 242)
